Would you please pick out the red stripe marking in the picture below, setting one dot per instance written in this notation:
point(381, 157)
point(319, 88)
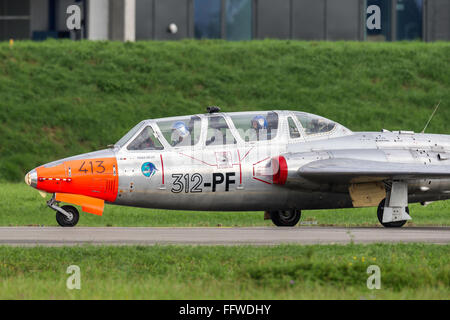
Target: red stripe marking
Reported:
point(162, 168)
point(240, 167)
point(261, 180)
point(212, 165)
point(261, 160)
point(247, 153)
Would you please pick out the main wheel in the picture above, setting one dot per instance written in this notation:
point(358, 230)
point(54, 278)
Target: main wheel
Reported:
point(64, 221)
point(285, 218)
point(394, 224)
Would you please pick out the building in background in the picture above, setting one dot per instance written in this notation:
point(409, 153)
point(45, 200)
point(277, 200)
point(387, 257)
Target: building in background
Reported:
point(129, 20)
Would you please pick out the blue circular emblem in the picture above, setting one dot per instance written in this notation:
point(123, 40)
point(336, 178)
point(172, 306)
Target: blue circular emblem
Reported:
point(148, 169)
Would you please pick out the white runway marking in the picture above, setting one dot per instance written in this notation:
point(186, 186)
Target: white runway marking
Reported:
point(56, 236)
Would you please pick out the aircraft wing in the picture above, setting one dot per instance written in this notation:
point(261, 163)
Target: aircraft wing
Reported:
point(357, 171)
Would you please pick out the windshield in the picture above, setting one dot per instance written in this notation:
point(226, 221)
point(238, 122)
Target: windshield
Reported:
point(146, 140)
point(129, 135)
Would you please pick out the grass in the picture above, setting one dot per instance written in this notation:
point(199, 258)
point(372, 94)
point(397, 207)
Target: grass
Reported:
point(21, 205)
point(408, 271)
point(60, 98)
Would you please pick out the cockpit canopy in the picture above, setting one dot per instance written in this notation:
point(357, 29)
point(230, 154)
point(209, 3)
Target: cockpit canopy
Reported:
point(181, 131)
point(218, 129)
point(256, 126)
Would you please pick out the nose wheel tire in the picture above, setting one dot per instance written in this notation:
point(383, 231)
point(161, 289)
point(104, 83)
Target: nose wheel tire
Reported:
point(71, 221)
point(394, 224)
point(285, 218)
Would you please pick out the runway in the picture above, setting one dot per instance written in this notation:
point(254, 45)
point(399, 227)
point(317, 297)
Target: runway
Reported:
point(57, 236)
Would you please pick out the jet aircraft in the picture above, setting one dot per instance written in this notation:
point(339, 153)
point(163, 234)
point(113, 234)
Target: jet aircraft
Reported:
point(280, 162)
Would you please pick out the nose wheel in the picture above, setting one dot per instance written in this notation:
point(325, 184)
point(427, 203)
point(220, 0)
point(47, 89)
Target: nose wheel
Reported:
point(66, 216)
point(69, 220)
point(285, 218)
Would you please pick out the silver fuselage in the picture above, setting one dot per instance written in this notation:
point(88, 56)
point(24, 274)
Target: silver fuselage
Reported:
point(237, 177)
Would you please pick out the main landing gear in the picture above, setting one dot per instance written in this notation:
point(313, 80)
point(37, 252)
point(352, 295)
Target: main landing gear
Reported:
point(66, 216)
point(285, 218)
point(393, 211)
point(393, 224)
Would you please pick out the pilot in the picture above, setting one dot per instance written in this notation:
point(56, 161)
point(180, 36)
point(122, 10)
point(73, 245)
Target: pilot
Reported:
point(147, 144)
point(143, 141)
point(180, 135)
point(258, 131)
point(319, 125)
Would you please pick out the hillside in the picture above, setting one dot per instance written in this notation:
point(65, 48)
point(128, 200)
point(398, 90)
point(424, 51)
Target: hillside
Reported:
point(60, 98)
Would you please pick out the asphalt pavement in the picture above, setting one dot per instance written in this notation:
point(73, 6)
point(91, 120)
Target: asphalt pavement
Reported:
point(56, 236)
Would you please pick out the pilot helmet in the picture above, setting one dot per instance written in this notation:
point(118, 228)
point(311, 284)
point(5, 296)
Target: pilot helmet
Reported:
point(318, 123)
point(179, 130)
point(261, 122)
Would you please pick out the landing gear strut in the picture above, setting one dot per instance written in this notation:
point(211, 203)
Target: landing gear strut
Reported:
point(66, 216)
point(393, 211)
point(285, 218)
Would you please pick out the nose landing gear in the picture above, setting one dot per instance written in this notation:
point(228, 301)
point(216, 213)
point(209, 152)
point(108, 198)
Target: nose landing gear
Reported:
point(66, 216)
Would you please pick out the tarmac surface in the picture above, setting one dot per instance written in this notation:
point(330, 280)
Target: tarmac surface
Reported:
point(57, 236)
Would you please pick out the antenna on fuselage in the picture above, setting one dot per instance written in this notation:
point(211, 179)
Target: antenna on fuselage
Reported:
point(212, 109)
point(432, 115)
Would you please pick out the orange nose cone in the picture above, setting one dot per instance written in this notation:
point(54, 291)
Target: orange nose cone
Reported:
point(92, 177)
point(31, 178)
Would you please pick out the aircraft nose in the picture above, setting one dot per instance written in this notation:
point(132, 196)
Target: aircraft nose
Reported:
point(31, 178)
